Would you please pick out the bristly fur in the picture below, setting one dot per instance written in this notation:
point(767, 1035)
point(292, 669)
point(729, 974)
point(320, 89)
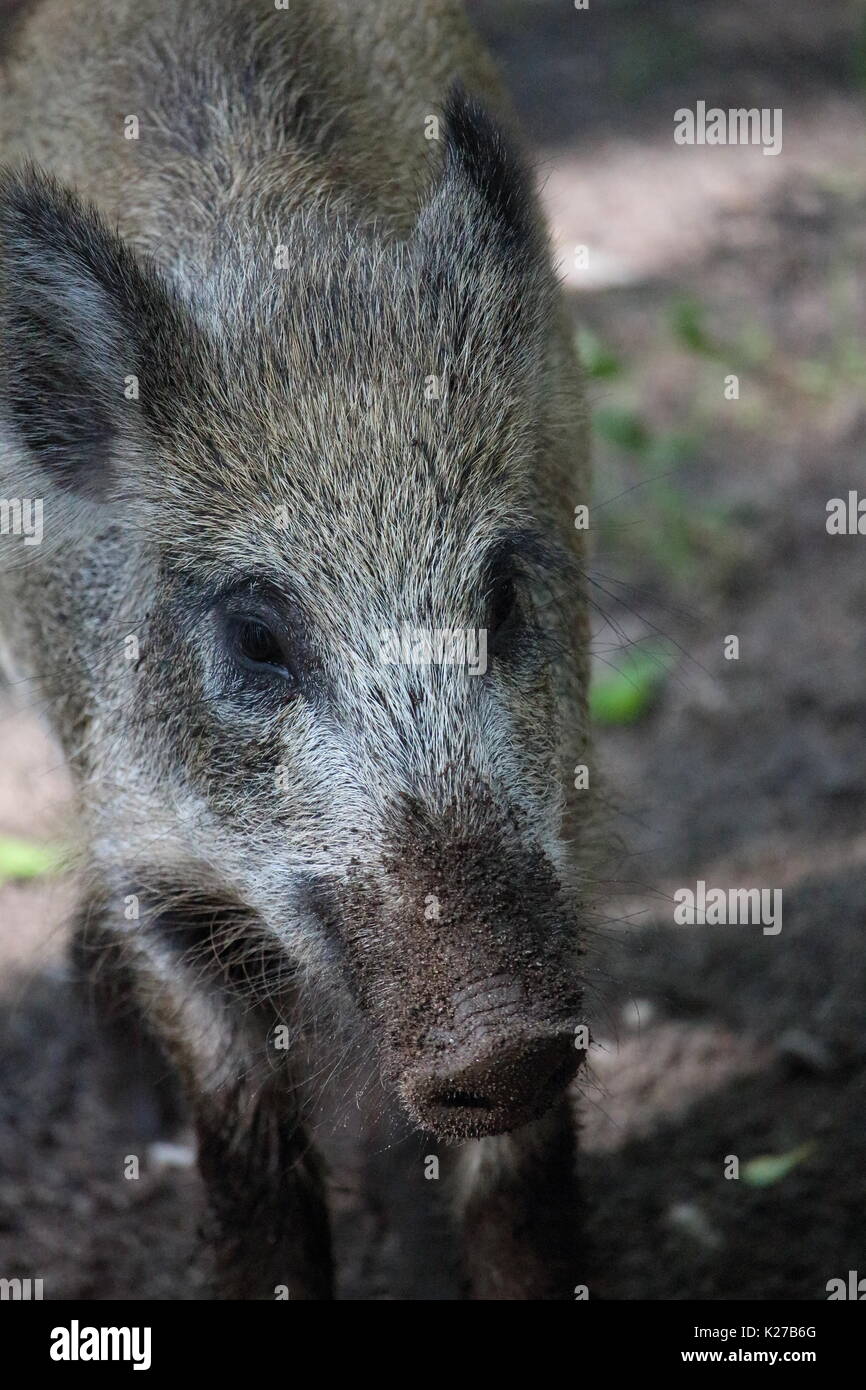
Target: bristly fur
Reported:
point(282, 355)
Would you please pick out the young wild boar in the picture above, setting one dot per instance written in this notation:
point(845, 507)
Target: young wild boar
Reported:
point(284, 357)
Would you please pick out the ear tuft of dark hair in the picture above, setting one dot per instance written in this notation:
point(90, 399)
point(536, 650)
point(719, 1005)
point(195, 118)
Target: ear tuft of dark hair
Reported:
point(478, 152)
point(77, 317)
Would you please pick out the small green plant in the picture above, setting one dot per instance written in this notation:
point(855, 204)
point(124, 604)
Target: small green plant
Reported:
point(768, 1169)
point(623, 428)
point(624, 695)
point(687, 326)
point(598, 361)
point(24, 859)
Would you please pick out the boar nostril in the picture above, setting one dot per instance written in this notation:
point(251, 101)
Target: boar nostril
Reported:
point(491, 1085)
point(464, 1100)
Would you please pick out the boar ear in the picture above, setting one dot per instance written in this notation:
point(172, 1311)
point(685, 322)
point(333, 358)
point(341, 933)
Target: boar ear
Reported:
point(480, 232)
point(78, 317)
point(483, 175)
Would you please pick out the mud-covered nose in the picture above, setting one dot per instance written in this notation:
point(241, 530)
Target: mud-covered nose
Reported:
point(491, 1089)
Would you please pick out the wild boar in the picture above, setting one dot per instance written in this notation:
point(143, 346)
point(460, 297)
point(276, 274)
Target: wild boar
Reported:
point(285, 359)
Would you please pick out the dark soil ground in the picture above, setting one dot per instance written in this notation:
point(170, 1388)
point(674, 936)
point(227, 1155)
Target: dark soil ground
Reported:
point(709, 520)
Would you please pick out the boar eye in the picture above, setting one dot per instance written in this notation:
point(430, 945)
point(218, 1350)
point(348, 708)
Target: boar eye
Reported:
point(503, 611)
point(502, 602)
point(258, 648)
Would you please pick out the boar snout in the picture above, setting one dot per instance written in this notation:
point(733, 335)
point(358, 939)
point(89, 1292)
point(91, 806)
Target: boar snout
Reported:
point(492, 1084)
point(462, 950)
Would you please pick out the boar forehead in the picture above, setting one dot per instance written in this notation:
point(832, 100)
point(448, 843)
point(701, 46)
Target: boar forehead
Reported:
point(350, 407)
point(396, 553)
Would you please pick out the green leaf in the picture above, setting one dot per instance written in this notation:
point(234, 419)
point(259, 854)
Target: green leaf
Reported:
point(598, 361)
point(622, 697)
point(687, 325)
point(623, 428)
point(768, 1169)
point(23, 859)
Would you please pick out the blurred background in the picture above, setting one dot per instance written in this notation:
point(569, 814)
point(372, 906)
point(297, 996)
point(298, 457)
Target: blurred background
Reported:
point(708, 520)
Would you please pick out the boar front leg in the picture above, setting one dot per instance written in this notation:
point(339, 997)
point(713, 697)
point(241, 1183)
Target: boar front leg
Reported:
point(268, 1225)
point(520, 1218)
